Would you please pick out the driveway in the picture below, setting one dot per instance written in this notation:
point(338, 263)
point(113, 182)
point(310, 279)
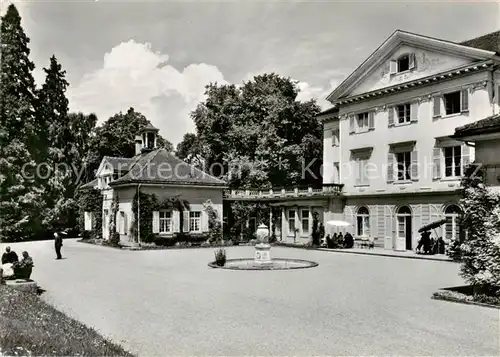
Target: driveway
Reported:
point(170, 303)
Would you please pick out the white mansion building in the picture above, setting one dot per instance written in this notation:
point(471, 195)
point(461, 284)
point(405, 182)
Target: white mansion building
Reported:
point(387, 136)
point(390, 164)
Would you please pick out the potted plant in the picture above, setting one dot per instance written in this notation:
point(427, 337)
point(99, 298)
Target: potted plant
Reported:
point(23, 269)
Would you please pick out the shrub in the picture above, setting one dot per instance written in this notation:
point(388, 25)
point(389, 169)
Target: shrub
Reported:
point(86, 235)
point(220, 257)
point(165, 241)
point(480, 250)
point(114, 238)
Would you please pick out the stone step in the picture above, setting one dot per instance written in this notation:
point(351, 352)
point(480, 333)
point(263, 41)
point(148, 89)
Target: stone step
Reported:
point(23, 285)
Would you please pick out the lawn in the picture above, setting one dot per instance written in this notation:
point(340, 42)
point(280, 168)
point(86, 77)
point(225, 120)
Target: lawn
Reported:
point(32, 327)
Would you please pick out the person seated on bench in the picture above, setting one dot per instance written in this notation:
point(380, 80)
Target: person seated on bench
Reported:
point(348, 240)
point(371, 242)
point(340, 241)
point(9, 257)
point(328, 241)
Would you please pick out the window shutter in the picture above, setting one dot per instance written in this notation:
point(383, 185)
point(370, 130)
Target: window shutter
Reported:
point(412, 60)
point(465, 100)
point(358, 172)
point(204, 221)
point(414, 112)
point(88, 221)
point(390, 167)
point(156, 222)
point(498, 95)
point(371, 121)
point(176, 220)
point(393, 67)
point(414, 166)
point(351, 125)
point(436, 170)
point(119, 223)
point(388, 236)
point(436, 107)
point(185, 224)
point(465, 157)
point(391, 116)
point(335, 137)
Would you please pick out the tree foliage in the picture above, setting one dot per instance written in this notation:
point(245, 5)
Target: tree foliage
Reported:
point(190, 149)
point(480, 251)
point(116, 137)
point(259, 135)
point(20, 195)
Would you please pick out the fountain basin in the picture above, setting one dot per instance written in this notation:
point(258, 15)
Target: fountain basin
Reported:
point(273, 264)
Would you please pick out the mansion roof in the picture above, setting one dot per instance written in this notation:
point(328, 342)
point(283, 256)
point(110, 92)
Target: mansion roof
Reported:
point(481, 52)
point(488, 42)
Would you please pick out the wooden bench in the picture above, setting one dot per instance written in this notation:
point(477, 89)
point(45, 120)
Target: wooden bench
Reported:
point(364, 243)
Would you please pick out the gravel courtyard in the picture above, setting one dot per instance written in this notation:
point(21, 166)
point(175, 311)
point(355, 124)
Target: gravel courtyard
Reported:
point(169, 302)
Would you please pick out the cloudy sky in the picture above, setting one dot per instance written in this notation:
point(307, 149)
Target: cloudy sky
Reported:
point(157, 56)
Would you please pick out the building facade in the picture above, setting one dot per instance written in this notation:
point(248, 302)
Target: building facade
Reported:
point(389, 136)
point(159, 172)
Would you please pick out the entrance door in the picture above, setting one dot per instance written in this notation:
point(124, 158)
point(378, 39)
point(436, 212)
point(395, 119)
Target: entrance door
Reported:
point(404, 233)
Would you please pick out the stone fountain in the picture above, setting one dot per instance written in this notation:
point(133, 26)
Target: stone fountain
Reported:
point(262, 257)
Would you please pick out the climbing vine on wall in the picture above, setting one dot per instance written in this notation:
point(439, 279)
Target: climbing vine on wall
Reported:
point(114, 236)
point(90, 200)
point(149, 203)
point(214, 224)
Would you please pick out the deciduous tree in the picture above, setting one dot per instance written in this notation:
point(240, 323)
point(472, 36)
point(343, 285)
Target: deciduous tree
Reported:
point(259, 134)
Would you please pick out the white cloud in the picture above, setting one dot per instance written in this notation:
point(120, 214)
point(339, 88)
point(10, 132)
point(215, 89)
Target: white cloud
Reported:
point(133, 75)
point(319, 93)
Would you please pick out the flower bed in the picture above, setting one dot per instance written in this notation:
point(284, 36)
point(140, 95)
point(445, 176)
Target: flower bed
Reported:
point(173, 245)
point(467, 295)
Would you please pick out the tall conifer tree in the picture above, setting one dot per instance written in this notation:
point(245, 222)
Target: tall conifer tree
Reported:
point(55, 143)
point(19, 194)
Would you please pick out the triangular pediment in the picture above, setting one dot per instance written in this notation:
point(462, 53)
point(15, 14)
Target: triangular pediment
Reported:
point(429, 57)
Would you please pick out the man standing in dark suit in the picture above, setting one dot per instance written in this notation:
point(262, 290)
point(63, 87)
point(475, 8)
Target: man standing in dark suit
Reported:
point(58, 244)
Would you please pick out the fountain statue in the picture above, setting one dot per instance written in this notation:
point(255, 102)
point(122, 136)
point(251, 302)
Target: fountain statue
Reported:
point(262, 248)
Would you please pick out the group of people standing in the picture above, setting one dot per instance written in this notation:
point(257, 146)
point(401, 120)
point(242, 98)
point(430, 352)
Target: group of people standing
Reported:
point(428, 245)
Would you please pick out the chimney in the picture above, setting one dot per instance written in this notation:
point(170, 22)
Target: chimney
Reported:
point(138, 144)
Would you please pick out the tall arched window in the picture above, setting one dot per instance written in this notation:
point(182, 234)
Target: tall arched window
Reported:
point(363, 222)
point(452, 226)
